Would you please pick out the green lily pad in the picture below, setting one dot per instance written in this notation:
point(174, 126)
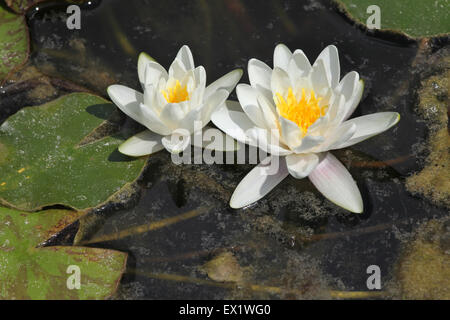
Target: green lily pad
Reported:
point(28, 272)
point(43, 161)
point(14, 42)
point(415, 18)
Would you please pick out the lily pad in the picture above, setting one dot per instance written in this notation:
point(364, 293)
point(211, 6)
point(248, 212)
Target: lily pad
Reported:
point(21, 6)
point(28, 272)
point(14, 42)
point(50, 155)
point(415, 18)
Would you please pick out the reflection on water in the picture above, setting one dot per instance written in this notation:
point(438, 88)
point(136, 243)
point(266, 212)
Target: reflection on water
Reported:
point(293, 243)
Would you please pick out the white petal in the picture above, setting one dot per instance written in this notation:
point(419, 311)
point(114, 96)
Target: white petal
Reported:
point(227, 82)
point(131, 103)
point(355, 99)
point(268, 111)
point(141, 144)
point(260, 75)
point(369, 126)
point(267, 140)
point(301, 62)
point(233, 123)
point(319, 79)
point(214, 139)
point(330, 58)
point(247, 96)
point(258, 182)
point(281, 57)
point(301, 165)
point(280, 81)
point(177, 70)
point(185, 56)
point(152, 120)
point(143, 60)
point(214, 102)
point(172, 114)
point(291, 133)
point(175, 142)
point(338, 136)
point(308, 142)
point(334, 181)
point(153, 72)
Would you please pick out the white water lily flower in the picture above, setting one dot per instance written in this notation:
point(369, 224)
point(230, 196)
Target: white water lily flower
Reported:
point(304, 110)
point(171, 103)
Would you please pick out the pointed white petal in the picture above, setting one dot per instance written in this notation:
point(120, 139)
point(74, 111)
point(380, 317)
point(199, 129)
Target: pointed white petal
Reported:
point(175, 142)
point(280, 81)
point(260, 75)
point(152, 120)
point(185, 56)
point(319, 78)
point(308, 142)
point(214, 102)
point(153, 72)
point(369, 126)
point(301, 62)
point(338, 136)
point(177, 70)
point(233, 123)
point(131, 103)
point(268, 111)
point(268, 141)
point(247, 96)
point(301, 165)
point(330, 58)
point(143, 60)
point(334, 181)
point(281, 57)
point(354, 100)
point(258, 182)
point(141, 144)
point(172, 114)
point(291, 133)
point(214, 139)
point(227, 82)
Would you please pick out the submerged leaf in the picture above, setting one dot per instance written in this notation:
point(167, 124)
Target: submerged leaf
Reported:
point(50, 155)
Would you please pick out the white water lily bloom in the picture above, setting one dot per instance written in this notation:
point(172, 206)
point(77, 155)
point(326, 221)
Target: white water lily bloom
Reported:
point(171, 103)
point(298, 112)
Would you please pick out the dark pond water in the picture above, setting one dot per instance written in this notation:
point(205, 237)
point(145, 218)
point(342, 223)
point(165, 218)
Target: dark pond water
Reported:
point(268, 238)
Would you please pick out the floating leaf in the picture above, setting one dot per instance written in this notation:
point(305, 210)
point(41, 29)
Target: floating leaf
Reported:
point(14, 42)
point(27, 272)
point(43, 163)
point(415, 18)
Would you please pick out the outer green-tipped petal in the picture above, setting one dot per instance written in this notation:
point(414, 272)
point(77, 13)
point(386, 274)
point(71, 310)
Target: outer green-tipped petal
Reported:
point(143, 60)
point(259, 181)
point(141, 144)
point(369, 126)
point(301, 165)
point(227, 82)
point(334, 181)
point(214, 139)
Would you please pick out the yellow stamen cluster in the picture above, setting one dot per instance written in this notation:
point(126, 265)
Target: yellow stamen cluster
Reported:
point(303, 112)
point(176, 93)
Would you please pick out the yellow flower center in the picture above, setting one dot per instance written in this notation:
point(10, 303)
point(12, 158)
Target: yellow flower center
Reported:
point(303, 112)
point(176, 93)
